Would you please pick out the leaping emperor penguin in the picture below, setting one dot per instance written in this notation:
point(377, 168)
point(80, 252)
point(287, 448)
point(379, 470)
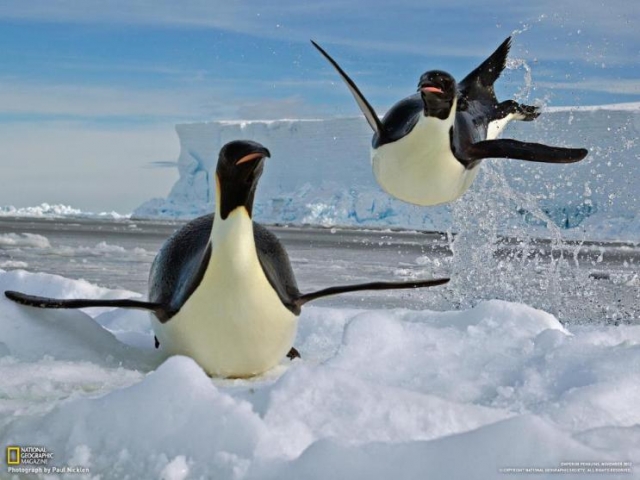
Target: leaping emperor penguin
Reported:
point(223, 292)
point(428, 147)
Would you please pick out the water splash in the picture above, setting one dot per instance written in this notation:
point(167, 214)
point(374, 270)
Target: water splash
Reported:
point(522, 95)
point(496, 249)
point(496, 256)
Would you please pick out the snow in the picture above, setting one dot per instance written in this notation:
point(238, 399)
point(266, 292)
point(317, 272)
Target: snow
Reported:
point(55, 211)
point(24, 240)
point(19, 241)
point(101, 248)
point(13, 264)
point(320, 174)
point(377, 394)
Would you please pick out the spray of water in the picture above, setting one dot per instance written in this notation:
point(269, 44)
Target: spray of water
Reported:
point(497, 253)
point(496, 256)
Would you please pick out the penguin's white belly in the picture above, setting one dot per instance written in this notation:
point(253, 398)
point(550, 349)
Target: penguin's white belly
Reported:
point(234, 324)
point(420, 167)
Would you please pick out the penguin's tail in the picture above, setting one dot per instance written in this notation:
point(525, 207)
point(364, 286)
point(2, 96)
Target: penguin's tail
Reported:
point(45, 302)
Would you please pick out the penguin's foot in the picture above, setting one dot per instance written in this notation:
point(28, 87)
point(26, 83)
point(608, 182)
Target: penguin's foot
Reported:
point(293, 353)
point(520, 111)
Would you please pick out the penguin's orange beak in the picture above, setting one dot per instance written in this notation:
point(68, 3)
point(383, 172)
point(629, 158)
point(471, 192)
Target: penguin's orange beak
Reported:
point(431, 90)
point(249, 158)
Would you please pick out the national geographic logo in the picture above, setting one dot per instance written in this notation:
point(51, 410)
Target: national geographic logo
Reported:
point(28, 456)
point(34, 461)
point(13, 455)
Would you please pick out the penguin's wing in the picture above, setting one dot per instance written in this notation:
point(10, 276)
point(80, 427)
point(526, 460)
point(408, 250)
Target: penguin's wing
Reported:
point(308, 297)
point(514, 149)
point(46, 302)
point(179, 266)
point(478, 85)
point(365, 106)
point(276, 266)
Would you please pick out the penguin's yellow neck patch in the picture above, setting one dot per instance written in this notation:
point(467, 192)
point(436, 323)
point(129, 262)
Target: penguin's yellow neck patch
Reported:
point(217, 196)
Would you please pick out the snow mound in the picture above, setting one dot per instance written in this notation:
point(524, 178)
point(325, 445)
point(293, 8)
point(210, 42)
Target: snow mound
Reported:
point(30, 334)
point(174, 411)
point(486, 453)
point(378, 394)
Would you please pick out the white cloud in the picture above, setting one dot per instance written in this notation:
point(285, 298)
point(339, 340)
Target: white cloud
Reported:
point(179, 104)
point(269, 109)
point(406, 26)
point(17, 97)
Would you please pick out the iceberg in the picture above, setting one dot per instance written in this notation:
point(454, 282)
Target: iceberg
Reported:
point(320, 174)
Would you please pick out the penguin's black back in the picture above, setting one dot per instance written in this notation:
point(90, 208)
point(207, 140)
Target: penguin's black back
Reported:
point(399, 120)
point(183, 259)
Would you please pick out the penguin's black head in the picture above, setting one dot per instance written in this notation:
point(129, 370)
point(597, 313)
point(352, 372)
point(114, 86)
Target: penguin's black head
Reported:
point(240, 165)
point(438, 91)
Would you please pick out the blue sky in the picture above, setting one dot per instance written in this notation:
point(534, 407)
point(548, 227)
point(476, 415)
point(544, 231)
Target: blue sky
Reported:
point(99, 85)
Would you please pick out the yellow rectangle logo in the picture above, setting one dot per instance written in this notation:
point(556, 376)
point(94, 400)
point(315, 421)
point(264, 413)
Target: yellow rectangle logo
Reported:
point(13, 455)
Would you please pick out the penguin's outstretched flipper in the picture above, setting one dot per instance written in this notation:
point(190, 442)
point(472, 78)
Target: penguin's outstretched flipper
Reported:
point(46, 302)
point(308, 297)
point(532, 152)
point(368, 111)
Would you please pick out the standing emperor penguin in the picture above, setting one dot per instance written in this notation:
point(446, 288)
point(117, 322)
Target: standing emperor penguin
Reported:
point(427, 148)
point(223, 292)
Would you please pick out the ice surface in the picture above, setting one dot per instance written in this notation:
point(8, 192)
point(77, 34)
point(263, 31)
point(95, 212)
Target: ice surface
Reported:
point(320, 173)
point(377, 394)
